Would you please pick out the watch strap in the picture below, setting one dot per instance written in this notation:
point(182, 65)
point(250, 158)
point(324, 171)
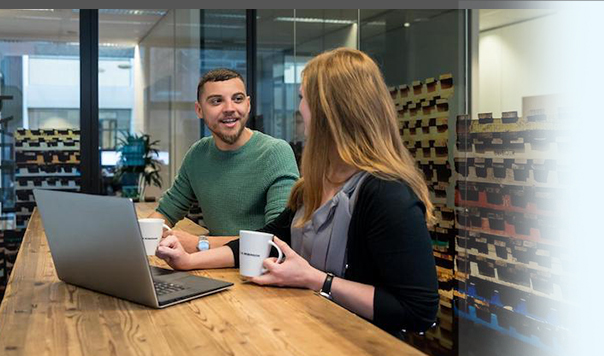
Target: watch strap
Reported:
point(326, 288)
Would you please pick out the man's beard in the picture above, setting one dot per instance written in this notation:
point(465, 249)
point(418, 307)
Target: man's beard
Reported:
point(229, 139)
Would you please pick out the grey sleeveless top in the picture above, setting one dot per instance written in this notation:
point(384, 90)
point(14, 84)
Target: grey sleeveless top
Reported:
point(322, 240)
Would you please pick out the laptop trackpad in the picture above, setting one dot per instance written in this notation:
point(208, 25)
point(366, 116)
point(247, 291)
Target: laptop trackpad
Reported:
point(157, 272)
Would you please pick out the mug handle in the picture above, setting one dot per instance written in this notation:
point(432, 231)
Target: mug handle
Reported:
point(279, 259)
point(167, 227)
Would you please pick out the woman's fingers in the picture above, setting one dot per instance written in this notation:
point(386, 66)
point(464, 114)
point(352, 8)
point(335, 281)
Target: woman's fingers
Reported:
point(287, 251)
point(264, 279)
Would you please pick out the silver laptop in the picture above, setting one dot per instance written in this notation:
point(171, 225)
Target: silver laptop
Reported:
point(96, 243)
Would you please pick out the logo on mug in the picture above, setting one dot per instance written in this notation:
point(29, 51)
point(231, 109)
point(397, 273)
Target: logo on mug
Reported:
point(249, 254)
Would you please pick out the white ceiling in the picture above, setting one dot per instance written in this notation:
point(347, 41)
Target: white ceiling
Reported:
point(127, 27)
point(120, 26)
point(493, 18)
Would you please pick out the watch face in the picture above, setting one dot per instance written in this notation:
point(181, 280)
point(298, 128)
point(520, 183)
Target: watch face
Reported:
point(203, 245)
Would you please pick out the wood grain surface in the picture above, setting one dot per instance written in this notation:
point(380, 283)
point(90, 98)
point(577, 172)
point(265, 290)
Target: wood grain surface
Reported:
point(41, 315)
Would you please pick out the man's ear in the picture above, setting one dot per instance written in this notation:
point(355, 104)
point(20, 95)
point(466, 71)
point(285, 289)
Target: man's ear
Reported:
point(198, 110)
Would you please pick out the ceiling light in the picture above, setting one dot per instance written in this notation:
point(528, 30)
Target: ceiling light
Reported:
point(215, 15)
point(51, 10)
point(108, 44)
point(315, 20)
point(230, 27)
point(406, 24)
point(139, 12)
point(375, 23)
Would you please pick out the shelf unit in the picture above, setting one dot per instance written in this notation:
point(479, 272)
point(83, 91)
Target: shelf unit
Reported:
point(510, 260)
point(45, 159)
point(7, 203)
point(423, 118)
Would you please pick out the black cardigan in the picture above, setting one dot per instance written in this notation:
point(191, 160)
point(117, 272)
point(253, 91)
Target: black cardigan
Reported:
point(390, 248)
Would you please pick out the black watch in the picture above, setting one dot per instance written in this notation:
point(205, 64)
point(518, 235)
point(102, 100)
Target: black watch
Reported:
point(326, 289)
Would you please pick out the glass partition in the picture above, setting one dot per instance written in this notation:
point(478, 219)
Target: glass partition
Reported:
point(275, 61)
point(39, 116)
point(512, 171)
point(287, 39)
point(421, 53)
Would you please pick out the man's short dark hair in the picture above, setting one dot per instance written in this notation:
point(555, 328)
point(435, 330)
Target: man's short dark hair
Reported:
point(217, 75)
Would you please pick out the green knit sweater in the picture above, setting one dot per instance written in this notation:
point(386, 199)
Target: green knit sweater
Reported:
point(236, 190)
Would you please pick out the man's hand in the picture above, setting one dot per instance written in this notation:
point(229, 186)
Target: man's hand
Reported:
point(188, 241)
point(171, 251)
point(294, 272)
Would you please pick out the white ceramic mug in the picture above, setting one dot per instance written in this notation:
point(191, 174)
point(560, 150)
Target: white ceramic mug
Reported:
point(254, 248)
point(151, 230)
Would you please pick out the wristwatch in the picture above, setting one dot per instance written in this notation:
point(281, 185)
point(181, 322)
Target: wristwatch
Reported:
point(203, 243)
point(326, 289)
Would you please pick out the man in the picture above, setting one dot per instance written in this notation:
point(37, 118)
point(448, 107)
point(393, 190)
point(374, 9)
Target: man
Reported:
point(241, 178)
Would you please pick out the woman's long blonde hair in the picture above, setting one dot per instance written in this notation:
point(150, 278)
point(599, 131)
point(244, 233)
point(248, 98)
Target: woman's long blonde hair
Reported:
point(352, 112)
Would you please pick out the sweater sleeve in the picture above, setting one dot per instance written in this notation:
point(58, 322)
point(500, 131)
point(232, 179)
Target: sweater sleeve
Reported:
point(279, 227)
point(177, 201)
point(400, 250)
point(284, 173)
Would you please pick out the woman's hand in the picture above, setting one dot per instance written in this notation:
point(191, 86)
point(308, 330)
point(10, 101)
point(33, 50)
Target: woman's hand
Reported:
point(188, 241)
point(171, 250)
point(294, 272)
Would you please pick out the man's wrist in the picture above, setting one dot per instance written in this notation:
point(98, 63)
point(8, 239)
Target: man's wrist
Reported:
point(188, 242)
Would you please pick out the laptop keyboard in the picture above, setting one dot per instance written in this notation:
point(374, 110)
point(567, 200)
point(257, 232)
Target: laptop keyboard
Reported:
point(163, 288)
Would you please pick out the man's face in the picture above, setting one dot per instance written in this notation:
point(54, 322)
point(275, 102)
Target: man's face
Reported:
point(224, 106)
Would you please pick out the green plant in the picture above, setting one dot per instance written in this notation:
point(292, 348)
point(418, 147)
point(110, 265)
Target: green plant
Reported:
point(137, 167)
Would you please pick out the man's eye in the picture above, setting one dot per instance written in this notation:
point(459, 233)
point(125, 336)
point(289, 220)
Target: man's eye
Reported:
point(215, 101)
point(238, 99)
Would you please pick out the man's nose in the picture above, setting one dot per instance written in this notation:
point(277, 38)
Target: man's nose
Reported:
point(229, 106)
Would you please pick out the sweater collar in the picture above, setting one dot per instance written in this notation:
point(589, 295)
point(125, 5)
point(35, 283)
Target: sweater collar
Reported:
point(249, 143)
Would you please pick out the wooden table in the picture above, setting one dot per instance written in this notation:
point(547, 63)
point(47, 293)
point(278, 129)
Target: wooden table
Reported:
point(41, 315)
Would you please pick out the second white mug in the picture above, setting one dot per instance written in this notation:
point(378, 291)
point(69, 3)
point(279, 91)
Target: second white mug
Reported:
point(151, 231)
point(254, 248)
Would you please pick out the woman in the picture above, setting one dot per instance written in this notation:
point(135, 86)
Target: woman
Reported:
point(356, 221)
